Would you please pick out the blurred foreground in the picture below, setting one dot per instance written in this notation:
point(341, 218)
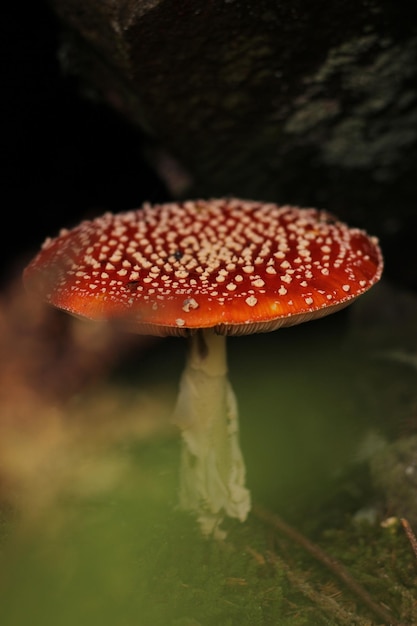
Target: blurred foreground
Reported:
point(90, 529)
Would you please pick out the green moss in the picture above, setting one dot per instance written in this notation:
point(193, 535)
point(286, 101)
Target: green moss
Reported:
point(126, 555)
point(370, 119)
point(130, 558)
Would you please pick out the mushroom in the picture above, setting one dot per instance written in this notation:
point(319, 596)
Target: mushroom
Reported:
point(206, 269)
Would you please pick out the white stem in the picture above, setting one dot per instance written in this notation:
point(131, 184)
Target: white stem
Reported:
point(212, 475)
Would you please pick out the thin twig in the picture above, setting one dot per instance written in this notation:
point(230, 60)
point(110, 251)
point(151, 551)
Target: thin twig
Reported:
point(331, 563)
point(325, 603)
point(410, 534)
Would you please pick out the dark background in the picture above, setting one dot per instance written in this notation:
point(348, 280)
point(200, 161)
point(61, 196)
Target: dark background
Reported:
point(66, 156)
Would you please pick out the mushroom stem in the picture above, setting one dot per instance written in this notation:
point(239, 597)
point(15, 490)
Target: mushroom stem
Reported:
point(212, 474)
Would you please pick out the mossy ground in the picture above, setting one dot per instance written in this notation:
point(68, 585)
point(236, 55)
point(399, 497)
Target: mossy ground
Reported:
point(128, 557)
point(91, 533)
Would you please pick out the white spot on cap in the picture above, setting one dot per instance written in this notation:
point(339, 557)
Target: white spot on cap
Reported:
point(189, 304)
point(251, 301)
point(346, 287)
point(179, 322)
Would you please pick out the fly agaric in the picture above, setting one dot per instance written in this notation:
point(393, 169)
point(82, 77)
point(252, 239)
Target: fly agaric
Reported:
point(205, 269)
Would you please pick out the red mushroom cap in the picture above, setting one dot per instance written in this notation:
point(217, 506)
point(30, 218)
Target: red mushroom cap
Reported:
point(237, 266)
